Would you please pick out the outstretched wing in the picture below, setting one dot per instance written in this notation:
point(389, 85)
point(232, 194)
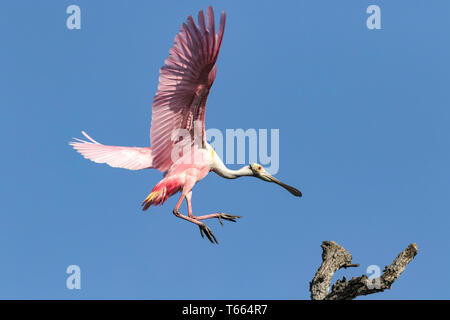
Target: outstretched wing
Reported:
point(184, 82)
point(132, 158)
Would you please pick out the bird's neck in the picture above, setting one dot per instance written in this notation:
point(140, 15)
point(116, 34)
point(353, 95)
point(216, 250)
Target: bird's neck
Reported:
point(233, 174)
point(219, 167)
point(227, 173)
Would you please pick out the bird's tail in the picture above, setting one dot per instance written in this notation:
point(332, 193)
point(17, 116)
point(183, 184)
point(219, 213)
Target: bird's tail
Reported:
point(161, 192)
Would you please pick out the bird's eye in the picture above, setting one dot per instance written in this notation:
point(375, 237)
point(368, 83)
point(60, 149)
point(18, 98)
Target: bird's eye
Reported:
point(259, 168)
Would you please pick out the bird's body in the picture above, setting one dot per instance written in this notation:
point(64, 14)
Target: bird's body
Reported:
point(179, 147)
point(182, 176)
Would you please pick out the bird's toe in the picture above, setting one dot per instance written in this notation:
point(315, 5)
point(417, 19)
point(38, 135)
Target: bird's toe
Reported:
point(228, 217)
point(205, 230)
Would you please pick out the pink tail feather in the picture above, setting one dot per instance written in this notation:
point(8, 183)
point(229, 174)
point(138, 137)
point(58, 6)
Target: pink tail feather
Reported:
point(161, 192)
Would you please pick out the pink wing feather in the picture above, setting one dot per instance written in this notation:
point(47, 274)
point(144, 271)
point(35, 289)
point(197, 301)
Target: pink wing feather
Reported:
point(132, 158)
point(184, 84)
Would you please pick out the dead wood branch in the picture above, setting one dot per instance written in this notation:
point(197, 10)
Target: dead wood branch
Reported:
point(335, 257)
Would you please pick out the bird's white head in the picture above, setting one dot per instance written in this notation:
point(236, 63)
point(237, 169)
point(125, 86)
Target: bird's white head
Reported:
point(259, 172)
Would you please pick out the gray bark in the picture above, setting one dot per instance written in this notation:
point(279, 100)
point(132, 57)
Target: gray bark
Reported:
point(335, 257)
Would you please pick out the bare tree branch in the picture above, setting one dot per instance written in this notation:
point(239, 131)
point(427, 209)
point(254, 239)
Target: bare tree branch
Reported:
point(335, 257)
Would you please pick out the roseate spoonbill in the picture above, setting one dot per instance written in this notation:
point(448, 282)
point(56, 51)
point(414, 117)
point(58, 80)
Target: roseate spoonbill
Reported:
point(179, 104)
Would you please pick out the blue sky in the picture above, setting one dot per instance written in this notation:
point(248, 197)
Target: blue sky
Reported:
point(363, 118)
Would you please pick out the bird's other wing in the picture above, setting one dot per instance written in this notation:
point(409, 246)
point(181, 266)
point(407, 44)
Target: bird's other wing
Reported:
point(131, 158)
point(184, 82)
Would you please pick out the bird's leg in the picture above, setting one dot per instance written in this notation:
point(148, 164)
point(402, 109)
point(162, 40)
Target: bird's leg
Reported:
point(204, 229)
point(218, 215)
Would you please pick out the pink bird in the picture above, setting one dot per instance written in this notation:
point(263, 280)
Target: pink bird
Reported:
point(179, 107)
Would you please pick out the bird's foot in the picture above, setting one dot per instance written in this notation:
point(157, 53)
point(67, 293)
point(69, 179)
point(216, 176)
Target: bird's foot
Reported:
point(218, 215)
point(204, 229)
point(227, 216)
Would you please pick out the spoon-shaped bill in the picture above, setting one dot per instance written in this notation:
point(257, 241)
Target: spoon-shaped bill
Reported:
point(292, 190)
